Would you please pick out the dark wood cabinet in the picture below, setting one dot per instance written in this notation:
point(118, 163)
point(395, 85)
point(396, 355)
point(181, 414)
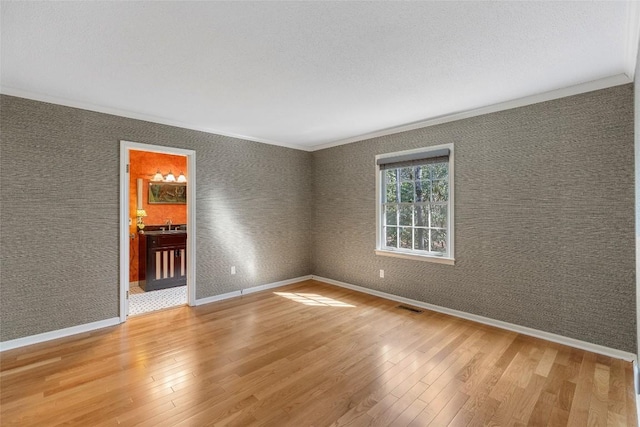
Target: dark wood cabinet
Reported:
point(142, 259)
point(166, 260)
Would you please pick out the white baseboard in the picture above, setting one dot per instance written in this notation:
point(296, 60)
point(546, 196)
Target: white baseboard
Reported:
point(595, 348)
point(571, 342)
point(221, 297)
point(60, 333)
point(251, 290)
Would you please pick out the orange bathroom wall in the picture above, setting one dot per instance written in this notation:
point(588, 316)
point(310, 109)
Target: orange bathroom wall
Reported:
point(144, 165)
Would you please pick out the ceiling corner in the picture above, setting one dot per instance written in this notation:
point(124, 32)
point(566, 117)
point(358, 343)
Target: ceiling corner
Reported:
point(633, 37)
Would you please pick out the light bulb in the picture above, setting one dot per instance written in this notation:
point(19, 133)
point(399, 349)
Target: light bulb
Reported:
point(170, 178)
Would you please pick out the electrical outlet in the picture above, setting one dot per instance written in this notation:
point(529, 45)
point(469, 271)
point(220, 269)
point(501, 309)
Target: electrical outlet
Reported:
point(382, 274)
point(233, 269)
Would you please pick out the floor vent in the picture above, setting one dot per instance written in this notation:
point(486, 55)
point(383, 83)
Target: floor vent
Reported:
point(411, 309)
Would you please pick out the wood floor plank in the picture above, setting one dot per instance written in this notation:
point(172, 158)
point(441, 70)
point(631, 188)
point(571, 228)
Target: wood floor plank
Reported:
point(631, 414)
point(598, 408)
point(616, 399)
point(395, 411)
point(579, 414)
point(525, 405)
point(546, 362)
point(310, 354)
point(507, 398)
point(448, 413)
point(559, 417)
point(542, 410)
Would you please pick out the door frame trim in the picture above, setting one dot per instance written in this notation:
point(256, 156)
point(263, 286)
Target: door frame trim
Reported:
point(125, 146)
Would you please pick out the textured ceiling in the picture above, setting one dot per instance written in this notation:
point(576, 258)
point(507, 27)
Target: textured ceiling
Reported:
point(306, 74)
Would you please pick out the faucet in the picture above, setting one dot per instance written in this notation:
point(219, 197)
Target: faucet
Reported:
point(168, 222)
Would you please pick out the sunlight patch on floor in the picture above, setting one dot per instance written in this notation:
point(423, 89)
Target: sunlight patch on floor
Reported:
point(313, 299)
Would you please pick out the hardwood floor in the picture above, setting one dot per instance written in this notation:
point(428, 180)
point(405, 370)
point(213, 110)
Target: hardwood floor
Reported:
point(310, 354)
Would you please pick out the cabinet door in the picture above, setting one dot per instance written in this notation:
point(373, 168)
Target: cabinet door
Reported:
point(166, 261)
point(166, 267)
point(142, 258)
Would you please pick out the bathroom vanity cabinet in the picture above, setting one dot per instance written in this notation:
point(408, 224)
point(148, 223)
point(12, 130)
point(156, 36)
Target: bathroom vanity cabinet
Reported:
point(165, 260)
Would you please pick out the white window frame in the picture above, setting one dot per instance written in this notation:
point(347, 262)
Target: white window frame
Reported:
point(408, 253)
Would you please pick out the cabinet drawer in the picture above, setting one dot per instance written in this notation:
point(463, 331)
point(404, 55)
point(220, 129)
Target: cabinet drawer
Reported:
point(167, 240)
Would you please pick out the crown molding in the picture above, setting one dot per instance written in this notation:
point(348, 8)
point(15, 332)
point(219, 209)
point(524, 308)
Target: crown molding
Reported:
point(137, 116)
point(617, 80)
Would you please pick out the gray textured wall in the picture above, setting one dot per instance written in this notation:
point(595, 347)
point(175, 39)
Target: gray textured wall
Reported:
point(636, 93)
point(544, 215)
point(544, 218)
point(59, 245)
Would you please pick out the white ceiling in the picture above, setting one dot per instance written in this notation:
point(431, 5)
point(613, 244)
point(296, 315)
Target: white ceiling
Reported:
point(307, 74)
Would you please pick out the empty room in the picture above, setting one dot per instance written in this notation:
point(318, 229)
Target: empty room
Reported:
point(319, 213)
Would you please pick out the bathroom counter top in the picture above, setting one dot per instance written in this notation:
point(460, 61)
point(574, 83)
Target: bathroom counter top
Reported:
point(161, 232)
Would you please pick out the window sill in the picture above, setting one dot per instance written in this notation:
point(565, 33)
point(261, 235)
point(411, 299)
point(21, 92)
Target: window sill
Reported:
point(428, 258)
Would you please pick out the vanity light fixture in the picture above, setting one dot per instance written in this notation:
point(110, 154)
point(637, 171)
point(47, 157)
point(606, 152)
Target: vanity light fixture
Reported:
point(157, 177)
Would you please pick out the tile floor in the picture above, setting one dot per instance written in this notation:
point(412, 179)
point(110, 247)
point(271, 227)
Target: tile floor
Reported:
point(144, 302)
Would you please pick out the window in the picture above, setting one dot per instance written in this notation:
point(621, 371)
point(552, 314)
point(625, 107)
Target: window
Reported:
point(415, 204)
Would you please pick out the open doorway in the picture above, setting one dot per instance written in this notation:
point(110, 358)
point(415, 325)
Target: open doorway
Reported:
point(157, 233)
